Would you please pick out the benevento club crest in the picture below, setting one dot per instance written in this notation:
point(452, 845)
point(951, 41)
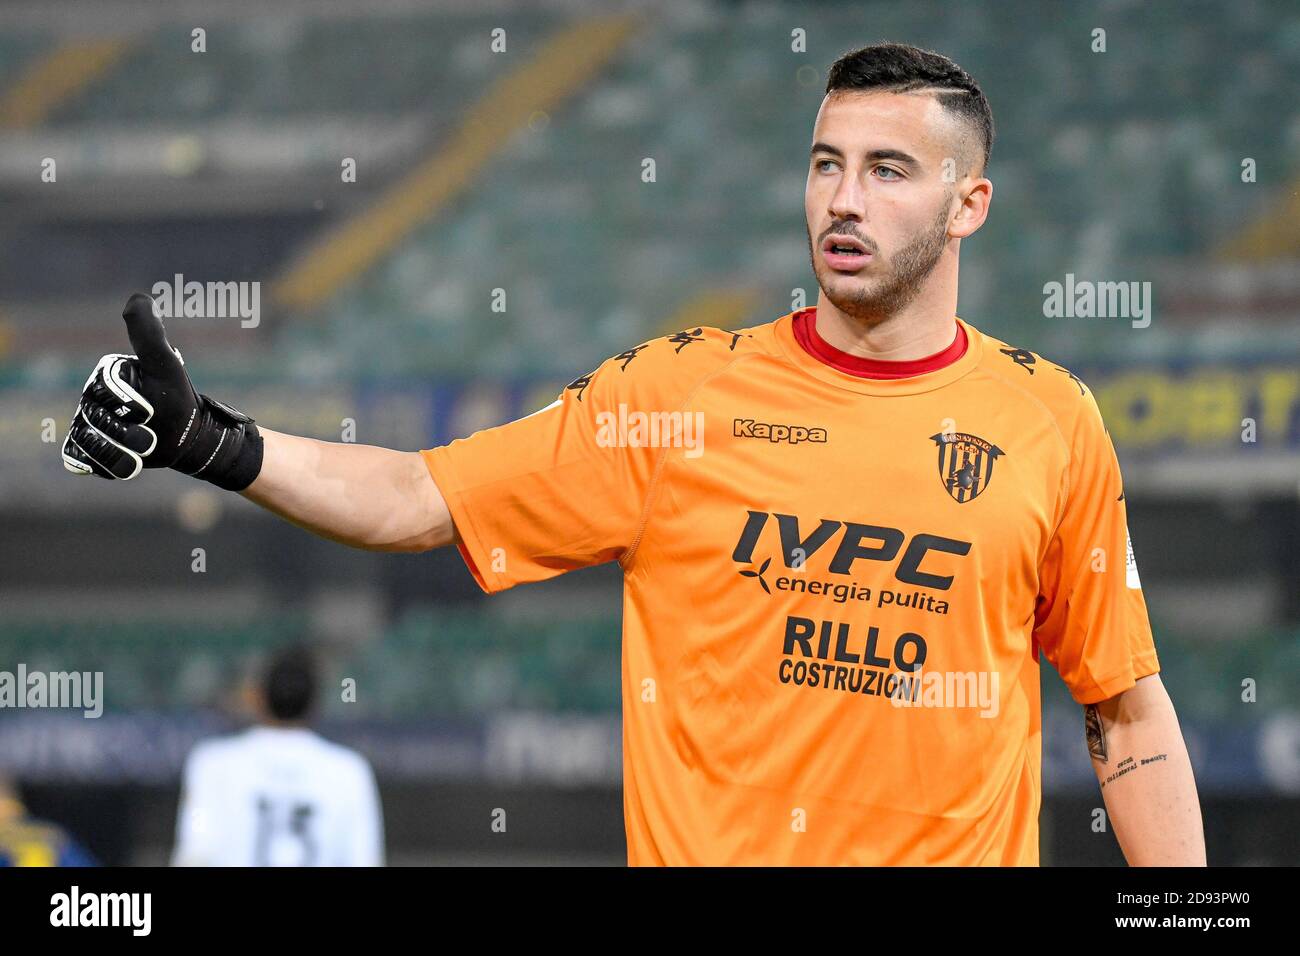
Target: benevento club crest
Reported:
point(965, 463)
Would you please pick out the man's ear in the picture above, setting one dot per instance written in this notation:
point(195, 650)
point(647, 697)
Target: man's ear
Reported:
point(974, 208)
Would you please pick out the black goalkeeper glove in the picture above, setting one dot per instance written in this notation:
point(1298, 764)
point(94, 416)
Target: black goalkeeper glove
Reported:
point(140, 411)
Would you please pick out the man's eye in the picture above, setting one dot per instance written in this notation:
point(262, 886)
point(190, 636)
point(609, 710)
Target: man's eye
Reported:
point(893, 173)
point(823, 162)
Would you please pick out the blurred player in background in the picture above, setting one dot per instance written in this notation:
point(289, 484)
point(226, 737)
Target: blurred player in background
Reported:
point(278, 794)
point(26, 841)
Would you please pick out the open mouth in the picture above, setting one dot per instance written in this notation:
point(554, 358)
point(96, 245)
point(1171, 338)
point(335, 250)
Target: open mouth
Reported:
point(845, 253)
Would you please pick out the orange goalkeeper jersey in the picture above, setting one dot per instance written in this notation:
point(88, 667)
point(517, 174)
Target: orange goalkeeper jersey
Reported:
point(836, 588)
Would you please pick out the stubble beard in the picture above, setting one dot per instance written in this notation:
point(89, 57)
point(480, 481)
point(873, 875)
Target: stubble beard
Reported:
point(887, 295)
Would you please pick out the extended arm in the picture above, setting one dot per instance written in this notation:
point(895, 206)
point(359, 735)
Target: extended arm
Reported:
point(141, 411)
point(360, 495)
point(1146, 777)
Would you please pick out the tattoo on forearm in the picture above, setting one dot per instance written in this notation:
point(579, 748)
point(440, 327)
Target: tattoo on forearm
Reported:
point(1127, 765)
point(1095, 733)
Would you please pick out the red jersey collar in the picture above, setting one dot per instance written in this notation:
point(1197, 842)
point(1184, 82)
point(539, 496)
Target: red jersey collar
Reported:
point(805, 332)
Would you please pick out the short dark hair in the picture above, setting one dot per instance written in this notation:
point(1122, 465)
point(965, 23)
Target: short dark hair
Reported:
point(900, 68)
point(290, 683)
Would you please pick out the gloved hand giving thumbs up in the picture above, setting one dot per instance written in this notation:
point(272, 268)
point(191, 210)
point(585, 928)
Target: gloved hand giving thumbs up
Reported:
point(141, 411)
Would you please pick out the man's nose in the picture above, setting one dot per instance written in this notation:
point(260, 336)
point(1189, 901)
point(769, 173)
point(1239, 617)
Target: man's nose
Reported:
point(849, 200)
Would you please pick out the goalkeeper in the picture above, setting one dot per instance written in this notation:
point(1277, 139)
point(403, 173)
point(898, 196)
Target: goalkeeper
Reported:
point(963, 489)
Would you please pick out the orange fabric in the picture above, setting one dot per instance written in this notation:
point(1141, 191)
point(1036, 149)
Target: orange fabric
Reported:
point(830, 541)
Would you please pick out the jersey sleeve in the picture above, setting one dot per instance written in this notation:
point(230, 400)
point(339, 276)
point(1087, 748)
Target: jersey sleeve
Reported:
point(1091, 618)
point(566, 487)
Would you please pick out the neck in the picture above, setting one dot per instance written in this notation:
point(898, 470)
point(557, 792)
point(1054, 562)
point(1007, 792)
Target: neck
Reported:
point(921, 328)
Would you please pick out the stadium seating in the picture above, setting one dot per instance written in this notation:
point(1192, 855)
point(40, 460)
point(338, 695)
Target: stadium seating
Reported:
point(1095, 158)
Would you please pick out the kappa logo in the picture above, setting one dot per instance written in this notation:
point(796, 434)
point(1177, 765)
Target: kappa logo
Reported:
point(794, 434)
point(965, 463)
